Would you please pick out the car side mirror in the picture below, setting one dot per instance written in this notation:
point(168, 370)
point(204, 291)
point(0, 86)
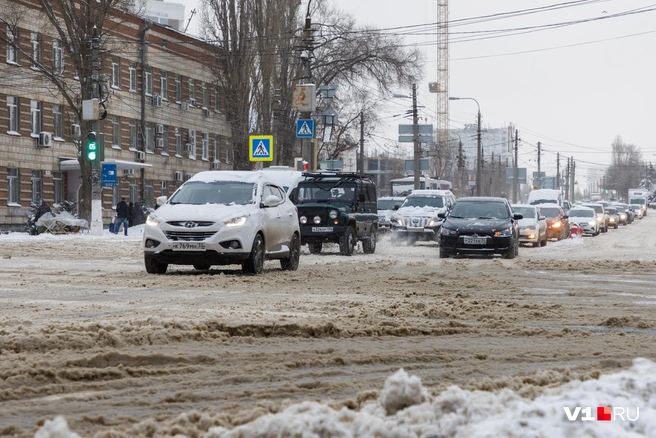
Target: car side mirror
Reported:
point(566, 216)
point(396, 207)
point(161, 200)
point(441, 215)
point(518, 216)
point(541, 218)
point(272, 201)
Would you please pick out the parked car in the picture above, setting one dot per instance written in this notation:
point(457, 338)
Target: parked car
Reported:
point(336, 207)
point(557, 221)
point(602, 217)
point(613, 217)
point(223, 218)
point(386, 206)
point(480, 225)
point(417, 218)
point(533, 226)
point(585, 218)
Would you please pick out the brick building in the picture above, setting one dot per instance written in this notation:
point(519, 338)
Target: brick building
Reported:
point(164, 115)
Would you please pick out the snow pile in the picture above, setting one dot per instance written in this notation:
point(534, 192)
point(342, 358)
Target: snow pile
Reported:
point(405, 410)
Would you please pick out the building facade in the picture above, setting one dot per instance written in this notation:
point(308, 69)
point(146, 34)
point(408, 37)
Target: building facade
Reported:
point(163, 123)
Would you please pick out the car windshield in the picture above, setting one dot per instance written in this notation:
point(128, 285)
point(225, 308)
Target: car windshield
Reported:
point(581, 213)
point(215, 192)
point(480, 210)
point(423, 201)
point(550, 212)
point(326, 192)
point(636, 201)
point(387, 204)
point(611, 210)
point(527, 212)
point(597, 208)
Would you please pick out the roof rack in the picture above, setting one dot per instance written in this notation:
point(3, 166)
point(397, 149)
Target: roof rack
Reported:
point(337, 174)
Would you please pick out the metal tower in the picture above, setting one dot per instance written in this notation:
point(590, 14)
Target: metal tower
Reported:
point(442, 85)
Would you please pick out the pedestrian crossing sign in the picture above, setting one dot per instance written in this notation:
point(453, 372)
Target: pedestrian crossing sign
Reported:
point(260, 148)
point(305, 128)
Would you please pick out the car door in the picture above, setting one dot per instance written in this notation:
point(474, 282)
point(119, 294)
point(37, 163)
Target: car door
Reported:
point(272, 223)
point(287, 214)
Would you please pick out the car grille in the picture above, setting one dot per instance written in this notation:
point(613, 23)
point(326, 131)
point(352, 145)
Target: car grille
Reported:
point(415, 221)
point(189, 235)
point(191, 224)
point(310, 213)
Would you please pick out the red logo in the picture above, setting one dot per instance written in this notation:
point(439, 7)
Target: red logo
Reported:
point(604, 413)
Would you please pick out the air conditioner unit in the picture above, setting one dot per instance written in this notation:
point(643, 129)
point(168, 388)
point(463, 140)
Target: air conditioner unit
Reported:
point(216, 165)
point(159, 143)
point(159, 128)
point(128, 171)
point(140, 155)
point(45, 139)
point(76, 130)
point(192, 101)
point(177, 176)
point(184, 106)
point(187, 148)
point(187, 176)
point(207, 112)
point(157, 101)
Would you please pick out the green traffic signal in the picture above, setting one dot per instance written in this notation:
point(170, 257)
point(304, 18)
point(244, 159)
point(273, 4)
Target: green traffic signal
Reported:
point(92, 147)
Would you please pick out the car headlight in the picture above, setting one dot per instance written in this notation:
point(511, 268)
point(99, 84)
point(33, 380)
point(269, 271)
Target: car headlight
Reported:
point(600, 219)
point(503, 233)
point(333, 214)
point(556, 224)
point(236, 222)
point(434, 221)
point(447, 231)
point(302, 220)
point(396, 221)
point(152, 220)
point(591, 223)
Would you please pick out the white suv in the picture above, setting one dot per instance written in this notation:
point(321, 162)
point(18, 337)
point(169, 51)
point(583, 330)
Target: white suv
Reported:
point(223, 218)
point(417, 218)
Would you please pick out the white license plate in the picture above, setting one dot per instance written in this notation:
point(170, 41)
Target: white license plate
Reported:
point(415, 229)
point(188, 246)
point(322, 229)
point(475, 240)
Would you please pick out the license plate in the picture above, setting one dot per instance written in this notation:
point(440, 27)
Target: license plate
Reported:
point(415, 229)
point(475, 240)
point(322, 229)
point(188, 246)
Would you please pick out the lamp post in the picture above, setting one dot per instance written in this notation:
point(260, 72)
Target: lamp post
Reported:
point(479, 182)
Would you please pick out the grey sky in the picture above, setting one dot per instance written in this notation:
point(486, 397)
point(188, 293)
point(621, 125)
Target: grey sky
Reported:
point(571, 87)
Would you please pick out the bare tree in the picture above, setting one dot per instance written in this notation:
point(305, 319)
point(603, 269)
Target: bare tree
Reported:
point(626, 169)
point(73, 24)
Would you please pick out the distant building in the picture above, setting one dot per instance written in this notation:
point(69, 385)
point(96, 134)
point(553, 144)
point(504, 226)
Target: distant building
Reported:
point(166, 14)
point(496, 143)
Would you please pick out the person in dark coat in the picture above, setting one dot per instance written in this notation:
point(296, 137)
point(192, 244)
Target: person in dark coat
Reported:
point(122, 213)
point(43, 209)
point(131, 214)
point(137, 214)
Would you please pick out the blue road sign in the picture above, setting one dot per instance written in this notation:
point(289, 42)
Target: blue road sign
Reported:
point(260, 148)
point(108, 175)
point(305, 128)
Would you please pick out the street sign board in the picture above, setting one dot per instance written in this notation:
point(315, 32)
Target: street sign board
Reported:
point(510, 175)
point(305, 128)
point(410, 165)
point(260, 147)
point(424, 133)
point(108, 175)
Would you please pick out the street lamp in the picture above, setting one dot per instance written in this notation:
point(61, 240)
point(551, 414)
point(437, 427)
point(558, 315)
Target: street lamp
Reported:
point(479, 181)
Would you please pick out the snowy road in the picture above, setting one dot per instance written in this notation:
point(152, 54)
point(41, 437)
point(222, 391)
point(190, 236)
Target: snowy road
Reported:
point(87, 334)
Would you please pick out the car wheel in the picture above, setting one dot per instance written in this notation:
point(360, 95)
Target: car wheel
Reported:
point(202, 267)
point(155, 267)
point(444, 253)
point(512, 252)
point(543, 242)
point(347, 242)
point(255, 262)
point(291, 263)
point(536, 244)
point(369, 245)
point(315, 247)
point(616, 225)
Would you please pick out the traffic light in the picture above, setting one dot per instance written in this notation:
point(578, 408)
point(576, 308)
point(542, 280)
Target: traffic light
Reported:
point(91, 150)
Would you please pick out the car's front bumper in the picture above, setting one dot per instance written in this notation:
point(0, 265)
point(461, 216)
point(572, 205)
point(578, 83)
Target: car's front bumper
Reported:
point(492, 245)
point(529, 236)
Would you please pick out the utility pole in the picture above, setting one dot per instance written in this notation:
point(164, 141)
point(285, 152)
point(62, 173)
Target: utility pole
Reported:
point(573, 180)
point(415, 138)
point(516, 169)
point(361, 161)
point(479, 156)
point(567, 181)
point(558, 170)
point(539, 175)
point(306, 58)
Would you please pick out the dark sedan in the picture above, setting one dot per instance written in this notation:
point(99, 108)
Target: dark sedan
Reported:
point(480, 225)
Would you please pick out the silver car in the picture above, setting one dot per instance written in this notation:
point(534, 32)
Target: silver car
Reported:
point(586, 219)
point(533, 226)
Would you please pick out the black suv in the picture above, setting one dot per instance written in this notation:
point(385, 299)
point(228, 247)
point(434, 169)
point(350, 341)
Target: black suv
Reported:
point(339, 208)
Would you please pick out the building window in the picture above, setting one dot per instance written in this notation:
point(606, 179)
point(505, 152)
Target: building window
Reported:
point(206, 96)
point(217, 148)
point(116, 132)
point(133, 76)
point(164, 136)
point(205, 146)
point(217, 101)
point(165, 189)
point(228, 151)
point(178, 142)
point(133, 134)
point(37, 187)
point(192, 92)
point(35, 51)
point(116, 73)
point(57, 122)
point(12, 38)
point(192, 144)
point(58, 183)
point(116, 193)
point(149, 137)
point(35, 111)
point(13, 189)
point(163, 84)
point(13, 116)
point(58, 57)
point(149, 81)
point(178, 88)
point(133, 193)
point(149, 194)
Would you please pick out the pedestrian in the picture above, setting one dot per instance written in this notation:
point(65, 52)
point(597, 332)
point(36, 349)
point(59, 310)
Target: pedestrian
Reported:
point(122, 212)
point(43, 209)
point(137, 214)
point(131, 214)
